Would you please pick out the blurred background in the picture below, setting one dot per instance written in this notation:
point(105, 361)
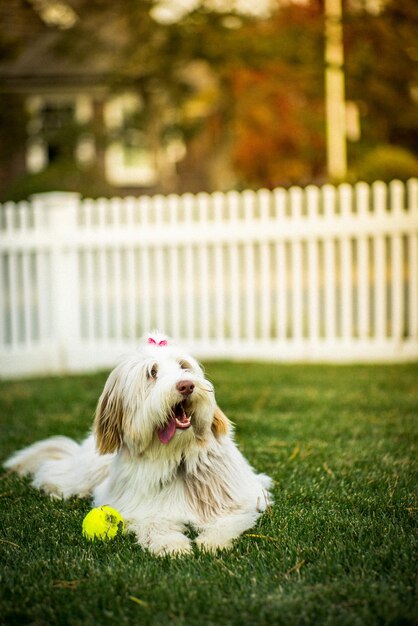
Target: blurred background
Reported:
point(161, 96)
point(179, 125)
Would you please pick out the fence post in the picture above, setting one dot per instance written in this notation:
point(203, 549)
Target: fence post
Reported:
point(59, 211)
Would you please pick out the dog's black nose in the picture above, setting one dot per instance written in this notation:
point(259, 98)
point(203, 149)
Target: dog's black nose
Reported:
point(185, 387)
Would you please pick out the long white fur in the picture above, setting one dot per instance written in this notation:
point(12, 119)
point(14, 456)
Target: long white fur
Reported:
point(199, 479)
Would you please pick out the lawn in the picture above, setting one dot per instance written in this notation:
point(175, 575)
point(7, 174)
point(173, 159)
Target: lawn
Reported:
point(337, 547)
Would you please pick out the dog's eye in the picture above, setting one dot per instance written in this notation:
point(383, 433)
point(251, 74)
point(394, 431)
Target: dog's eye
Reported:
point(153, 371)
point(185, 365)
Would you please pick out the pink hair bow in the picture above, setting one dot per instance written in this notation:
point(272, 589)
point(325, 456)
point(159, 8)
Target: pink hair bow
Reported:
point(161, 343)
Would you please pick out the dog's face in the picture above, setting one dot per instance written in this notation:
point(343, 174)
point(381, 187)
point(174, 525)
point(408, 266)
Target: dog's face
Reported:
point(156, 397)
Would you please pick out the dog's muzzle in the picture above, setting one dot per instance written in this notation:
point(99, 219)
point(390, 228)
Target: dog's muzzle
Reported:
point(178, 418)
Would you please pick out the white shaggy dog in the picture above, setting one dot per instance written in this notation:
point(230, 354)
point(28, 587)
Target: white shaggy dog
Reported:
point(162, 454)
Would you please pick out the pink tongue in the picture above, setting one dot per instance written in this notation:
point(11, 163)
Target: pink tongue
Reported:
point(167, 433)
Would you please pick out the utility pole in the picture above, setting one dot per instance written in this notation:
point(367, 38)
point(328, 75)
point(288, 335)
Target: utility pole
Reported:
point(335, 91)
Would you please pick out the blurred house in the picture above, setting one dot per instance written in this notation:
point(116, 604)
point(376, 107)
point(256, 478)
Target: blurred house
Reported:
point(76, 131)
point(101, 98)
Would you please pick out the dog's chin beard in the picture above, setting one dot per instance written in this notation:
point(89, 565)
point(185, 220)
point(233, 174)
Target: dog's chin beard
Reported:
point(178, 419)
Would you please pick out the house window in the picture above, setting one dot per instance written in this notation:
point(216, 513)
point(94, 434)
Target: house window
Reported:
point(128, 159)
point(52, 131)
point(57, 115)
point(36, 156)
point(57, 120)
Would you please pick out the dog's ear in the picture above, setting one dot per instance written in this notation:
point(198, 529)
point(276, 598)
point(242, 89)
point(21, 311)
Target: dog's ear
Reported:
point(220, 424)
point(108, 422)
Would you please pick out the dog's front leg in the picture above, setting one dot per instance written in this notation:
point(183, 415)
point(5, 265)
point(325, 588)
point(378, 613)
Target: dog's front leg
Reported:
point(220, 533)
point(161, 537)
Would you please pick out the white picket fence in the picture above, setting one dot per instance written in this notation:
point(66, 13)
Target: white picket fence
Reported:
point(324, 274)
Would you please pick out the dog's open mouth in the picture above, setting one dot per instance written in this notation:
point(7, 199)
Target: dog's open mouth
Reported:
point(178, 420)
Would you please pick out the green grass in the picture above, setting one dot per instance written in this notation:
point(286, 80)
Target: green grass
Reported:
point(337, 547)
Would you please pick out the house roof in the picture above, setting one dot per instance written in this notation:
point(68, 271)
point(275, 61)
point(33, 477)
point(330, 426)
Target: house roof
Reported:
point(41, 59)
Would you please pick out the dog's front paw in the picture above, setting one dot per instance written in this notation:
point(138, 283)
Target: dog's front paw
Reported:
point(211, 542)
point(175, 546)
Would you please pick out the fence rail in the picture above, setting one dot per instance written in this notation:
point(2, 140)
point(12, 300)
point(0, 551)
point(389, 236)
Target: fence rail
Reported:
point(325, 273)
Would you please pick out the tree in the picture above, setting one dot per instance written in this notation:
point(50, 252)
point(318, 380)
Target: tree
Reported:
point(279, 102)
point(262, 115)
point(382, 73)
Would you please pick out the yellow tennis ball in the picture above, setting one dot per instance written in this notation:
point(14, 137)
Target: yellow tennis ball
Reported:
point(103, 522)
